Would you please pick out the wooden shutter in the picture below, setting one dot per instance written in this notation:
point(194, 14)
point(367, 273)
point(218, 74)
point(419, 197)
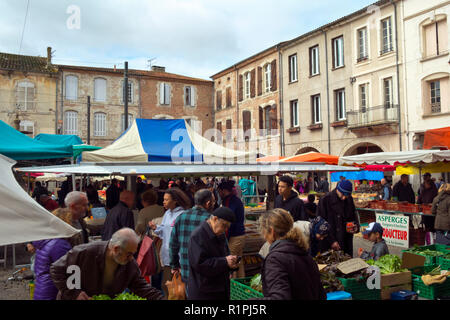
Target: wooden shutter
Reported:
point(218, 99)
point(252, 83)
point(241, 87)
point(167, 93)
point(228, 97)
point(246, 119)
point(274, 76)
point(219, 126)
point(260, 81)
point(273, 117)
point(442, 39)
point(161, 93)
point(193, 97)
point(261, 121)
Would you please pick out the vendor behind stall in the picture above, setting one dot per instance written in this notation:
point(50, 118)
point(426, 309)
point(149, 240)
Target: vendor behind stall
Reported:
point(403, 190)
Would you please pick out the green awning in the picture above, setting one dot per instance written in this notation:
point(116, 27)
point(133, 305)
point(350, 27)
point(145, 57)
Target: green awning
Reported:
point(78, 149)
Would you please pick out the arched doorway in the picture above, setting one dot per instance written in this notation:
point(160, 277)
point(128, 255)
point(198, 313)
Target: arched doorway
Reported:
point(305, 150)
point(361, 148)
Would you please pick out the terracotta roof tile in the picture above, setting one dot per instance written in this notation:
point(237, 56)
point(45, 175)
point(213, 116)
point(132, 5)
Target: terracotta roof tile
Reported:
point(23, 63)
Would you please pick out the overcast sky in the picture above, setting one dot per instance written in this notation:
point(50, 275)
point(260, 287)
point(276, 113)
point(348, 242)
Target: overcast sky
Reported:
point(195, 38)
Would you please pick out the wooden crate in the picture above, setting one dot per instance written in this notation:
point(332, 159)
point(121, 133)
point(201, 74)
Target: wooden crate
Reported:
point(395, 282)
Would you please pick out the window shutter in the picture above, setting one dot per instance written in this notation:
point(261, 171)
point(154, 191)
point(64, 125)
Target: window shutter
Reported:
point(161, 93)
point(261, 121)
point(274, 76)
point(29, 96)
point(252, 83)
point(241, 87)
point(228, 97)
point(218, 99)
point(442, 32)
point(167, 93)
point(246, 119)
point(273, 117)
point(260, 80)
point(193, 96)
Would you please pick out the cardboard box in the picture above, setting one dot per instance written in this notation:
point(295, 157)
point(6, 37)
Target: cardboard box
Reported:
point(392, 282)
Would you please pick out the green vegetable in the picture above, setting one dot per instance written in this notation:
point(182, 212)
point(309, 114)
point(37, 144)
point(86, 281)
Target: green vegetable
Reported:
point(388, 263)
point(122, 296)
point(256, 283)
point(427, 252)
point(435, 272)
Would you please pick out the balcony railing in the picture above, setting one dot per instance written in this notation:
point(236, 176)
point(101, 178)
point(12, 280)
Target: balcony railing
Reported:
point(370, 116)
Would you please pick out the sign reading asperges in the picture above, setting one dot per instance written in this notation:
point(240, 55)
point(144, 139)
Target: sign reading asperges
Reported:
point(396, 229)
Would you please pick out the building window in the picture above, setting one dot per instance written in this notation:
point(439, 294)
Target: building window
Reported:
point(293, 76)
point(100, 124)
point(294, 114)
point(164, 94)
point(247, 84)
point(362, 44)
point(435, 90)
point(388, 95)
point(338, 52)
point(340, 104)
point(267, 118)
point(363, 97)
point(71, 88)
point(27, 127)
point(435, 38)
point(130, 92)
point(315, 101)
point(71, 122)
point(100, 89)
point(267, 77)
point(228, 97)
point(386, 36)
point(246, 122)
point(189, 96)
point(130, 121)
point(218, 99)
point(228, 128)
point(25, 95)
point(314, 60)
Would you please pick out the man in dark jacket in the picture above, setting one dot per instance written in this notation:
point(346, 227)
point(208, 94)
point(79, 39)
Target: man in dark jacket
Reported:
point(77, 203)
point(120, 216)
point(104, 268)
point(112, 195)
point(338, 209)
point(403, 190)
point(427, 193)
point(324, 186)
point(288, 199)
point(210, 262)
point(38, 191)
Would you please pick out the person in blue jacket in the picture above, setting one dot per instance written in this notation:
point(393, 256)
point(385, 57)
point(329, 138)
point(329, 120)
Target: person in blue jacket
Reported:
point(236, 233)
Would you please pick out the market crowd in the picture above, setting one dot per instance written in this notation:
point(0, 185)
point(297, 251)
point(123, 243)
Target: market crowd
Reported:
point(198, 233)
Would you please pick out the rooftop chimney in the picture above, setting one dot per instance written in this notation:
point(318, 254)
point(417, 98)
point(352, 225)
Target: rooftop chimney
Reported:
point(158, 69)
point(49, 56)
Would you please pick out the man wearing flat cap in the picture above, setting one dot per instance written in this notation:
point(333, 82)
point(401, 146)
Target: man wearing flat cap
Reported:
point(210, 262)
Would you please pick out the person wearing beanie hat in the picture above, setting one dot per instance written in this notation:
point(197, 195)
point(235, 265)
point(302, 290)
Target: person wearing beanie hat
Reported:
point(210, 262)
point(338, 209)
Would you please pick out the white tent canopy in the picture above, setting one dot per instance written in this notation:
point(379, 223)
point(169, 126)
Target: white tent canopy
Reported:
point(21, 218)
point(415, 156)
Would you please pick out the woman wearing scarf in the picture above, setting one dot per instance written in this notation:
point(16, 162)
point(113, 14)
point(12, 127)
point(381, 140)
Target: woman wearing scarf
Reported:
point(319, 230)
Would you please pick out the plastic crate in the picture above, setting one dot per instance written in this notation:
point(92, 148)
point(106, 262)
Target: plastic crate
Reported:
point(240, 289)
point(444, 263)
point(428, 292)
point(359, 290)
point(430, 260)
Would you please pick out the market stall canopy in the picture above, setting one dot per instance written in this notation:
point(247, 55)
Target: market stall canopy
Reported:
point(437, 138)
point(22, 219)
point(19, 146)
point(397, 158)
point(150, 169)
point(430, 168)
point(357, 175)
point(66, 139)
point(154, 140)
point(52, 177)
point(313, 157)
point(270, 159)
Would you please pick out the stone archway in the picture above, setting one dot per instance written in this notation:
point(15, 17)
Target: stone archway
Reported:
point(305, 150)
point(363, 147)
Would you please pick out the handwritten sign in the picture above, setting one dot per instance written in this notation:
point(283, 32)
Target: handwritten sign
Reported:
point(352, 265)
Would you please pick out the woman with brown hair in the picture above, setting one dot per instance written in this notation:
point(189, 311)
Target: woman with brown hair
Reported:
point(175, 202)
point(288, 272)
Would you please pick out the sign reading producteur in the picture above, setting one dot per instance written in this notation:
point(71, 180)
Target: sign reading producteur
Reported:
point(396, 229)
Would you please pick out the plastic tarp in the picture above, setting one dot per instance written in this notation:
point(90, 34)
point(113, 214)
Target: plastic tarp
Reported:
point(18, 146)
point(22, 219)
point(430, 168)
point(65, 139)
point(357, 175)
point(152, 140)
point(270, 159)
point(394, 158)
point(313, 157)
point(437, 138)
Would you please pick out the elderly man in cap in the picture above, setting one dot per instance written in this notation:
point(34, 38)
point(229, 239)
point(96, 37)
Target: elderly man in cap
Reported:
point(210, 262)
point(104, 267)
point(338, 209)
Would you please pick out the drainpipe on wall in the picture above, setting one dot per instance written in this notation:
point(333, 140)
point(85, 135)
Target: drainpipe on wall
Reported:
point(328, 92)
point(398, 77)
point(280, 94)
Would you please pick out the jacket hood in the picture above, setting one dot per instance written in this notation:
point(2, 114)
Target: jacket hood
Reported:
point(292, 196)
point(40, 243)
point(287, 247)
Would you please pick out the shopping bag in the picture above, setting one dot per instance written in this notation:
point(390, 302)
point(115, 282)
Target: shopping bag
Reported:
point(176, 288)
point(146, 257)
